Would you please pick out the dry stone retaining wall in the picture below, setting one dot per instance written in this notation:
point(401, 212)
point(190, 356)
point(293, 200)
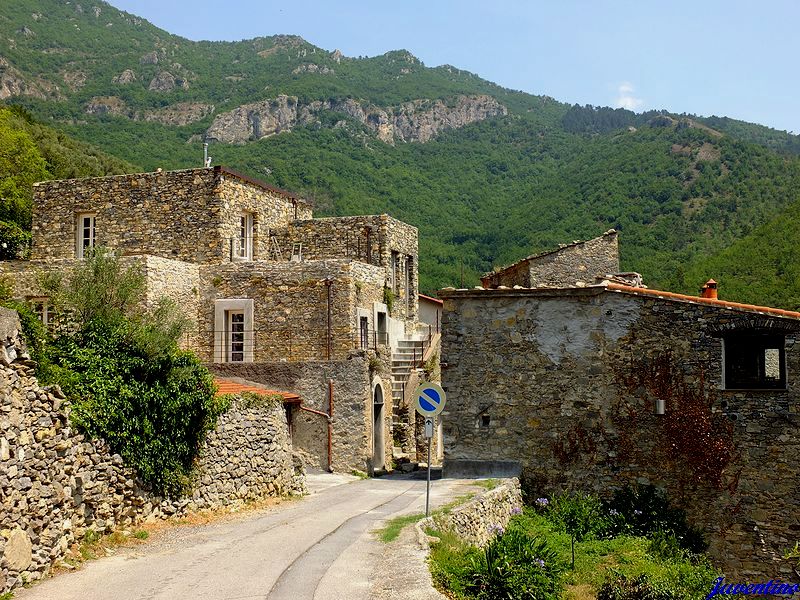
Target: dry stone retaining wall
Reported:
point(476, 521)
point(55, 484)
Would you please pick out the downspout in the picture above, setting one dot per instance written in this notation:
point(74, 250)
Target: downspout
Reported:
point(329, 417)
point(328, 284)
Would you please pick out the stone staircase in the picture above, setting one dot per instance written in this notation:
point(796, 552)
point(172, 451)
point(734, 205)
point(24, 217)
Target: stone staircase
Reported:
point(402, 364)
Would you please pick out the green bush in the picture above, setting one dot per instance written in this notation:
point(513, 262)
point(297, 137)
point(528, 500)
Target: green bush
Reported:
point(153, 411)
point(14, 241)
point(128, 381)
point(639, 588)
point(645, 510)
point(515, 565)
point(581, 515)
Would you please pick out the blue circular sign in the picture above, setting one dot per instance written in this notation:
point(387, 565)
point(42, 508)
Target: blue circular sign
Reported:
point(429, 399)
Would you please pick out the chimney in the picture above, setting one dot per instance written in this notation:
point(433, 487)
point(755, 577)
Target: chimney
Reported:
point(709, 290)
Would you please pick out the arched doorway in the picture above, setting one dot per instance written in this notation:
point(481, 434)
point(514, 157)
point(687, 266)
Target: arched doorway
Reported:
point(378, 441)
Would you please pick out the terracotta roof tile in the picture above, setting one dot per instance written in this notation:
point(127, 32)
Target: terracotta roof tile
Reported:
point(226, 386)
point(700, 300)
point(430, 299)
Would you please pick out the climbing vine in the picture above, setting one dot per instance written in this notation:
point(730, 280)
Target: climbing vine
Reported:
point(689, 431)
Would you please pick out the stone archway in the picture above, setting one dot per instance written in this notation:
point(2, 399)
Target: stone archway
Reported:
point(378, 428)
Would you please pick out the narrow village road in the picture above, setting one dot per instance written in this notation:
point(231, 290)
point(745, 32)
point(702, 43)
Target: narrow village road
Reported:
point(320, 547)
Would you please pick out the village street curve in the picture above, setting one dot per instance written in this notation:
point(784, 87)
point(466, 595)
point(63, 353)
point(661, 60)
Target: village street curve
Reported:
point(320, 547)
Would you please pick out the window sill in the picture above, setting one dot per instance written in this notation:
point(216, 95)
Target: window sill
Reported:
point(774, 389)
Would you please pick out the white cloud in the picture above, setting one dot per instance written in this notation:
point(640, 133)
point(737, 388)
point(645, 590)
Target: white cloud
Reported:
point(626, 99)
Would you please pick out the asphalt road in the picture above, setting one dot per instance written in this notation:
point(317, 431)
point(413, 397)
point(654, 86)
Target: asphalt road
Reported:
point(320, 547)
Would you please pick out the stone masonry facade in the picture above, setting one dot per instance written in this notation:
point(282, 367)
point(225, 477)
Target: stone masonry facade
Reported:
point(564, 385)
point(571, 263)
point(260, 279)
point(55, 484)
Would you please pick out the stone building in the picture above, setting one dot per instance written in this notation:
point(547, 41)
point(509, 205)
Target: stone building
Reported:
point(596, 385)
point(312, 306)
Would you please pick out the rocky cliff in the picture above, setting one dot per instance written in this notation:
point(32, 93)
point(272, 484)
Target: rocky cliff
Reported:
point(416, 121)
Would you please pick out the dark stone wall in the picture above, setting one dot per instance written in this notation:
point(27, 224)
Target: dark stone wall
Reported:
point(564, 384)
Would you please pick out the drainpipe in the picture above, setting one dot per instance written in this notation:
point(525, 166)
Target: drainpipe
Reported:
point(328, 284)
point(329, 417)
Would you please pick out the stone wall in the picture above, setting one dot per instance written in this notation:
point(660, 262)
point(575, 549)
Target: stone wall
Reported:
point(165, 214)
point(55, 484)
point(190, 215)
point(563, 384)
point(476, 521)
point(270, 209)
point(290, 306)
point(368, 239)
point(353, 381)
point(579, 261)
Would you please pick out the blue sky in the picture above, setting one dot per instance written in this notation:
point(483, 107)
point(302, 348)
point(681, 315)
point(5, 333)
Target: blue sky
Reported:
point(732, 57)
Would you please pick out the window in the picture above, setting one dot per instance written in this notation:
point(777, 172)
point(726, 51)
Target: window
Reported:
point(244, 238)
point(409, 283)
point(85, 237)
point(754, 361)
point(395, 271)
point(44, 310)
point(234, 336)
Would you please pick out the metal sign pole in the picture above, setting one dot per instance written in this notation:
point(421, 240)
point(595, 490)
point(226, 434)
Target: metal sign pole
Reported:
point(428, 486)
point(429, 399)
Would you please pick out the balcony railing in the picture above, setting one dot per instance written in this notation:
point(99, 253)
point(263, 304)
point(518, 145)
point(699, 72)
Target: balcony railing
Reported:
point(309, 343)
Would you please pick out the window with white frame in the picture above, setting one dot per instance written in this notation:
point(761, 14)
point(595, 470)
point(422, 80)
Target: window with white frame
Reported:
point(44, 310)
point(234, 338)
point(85, 238)
point(244, 237)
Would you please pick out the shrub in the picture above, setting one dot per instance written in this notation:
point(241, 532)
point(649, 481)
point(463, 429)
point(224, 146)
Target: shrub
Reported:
point(120, 365)
point(644, 510)
point(639, 588)
point(14, 241)
point(153, 411)
point(515, 565)
point(580, 515)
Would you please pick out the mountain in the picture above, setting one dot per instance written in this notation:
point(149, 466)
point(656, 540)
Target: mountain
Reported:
point(488, 174)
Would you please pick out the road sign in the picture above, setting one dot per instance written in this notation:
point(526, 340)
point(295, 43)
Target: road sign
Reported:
point(429, 399)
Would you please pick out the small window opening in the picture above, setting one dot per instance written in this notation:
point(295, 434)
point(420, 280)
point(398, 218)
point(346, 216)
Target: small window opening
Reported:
point(85, 234)
point(244, 242)
point(485, 420)
point(755, 361)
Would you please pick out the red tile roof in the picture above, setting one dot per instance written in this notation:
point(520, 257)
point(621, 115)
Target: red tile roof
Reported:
point(226, 386)
point(700, 300)
point(429, 299)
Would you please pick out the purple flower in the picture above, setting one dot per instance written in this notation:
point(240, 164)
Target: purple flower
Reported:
point(542, 502)
point(495, 529)
point(539, 562)
point(637, 512)
point(613, 512)
point(516, 510)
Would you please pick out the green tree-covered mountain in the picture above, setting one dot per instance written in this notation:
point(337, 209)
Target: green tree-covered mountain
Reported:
point(500, 174)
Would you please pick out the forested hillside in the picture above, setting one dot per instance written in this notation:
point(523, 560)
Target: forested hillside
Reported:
point(486, 188)
point(31, 152)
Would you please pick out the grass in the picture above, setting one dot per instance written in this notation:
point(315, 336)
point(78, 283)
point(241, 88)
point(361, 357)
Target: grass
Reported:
point(489, 484)
point(595, 562)
point(391, 531)
point(393, 527)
